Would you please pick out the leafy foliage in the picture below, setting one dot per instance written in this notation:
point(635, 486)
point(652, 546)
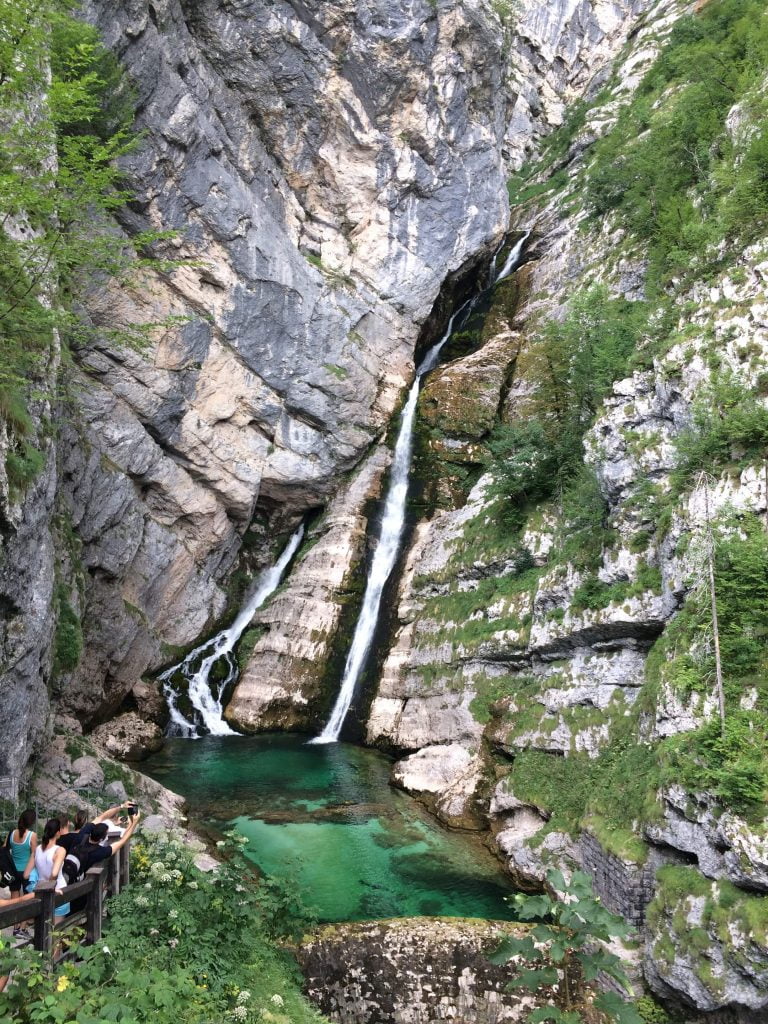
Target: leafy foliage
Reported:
point(66, 111)
point(732, 765)
point(730, 426)
point(180, 945)
point(68, 641)
point(572, 366)
point(670, 170)
point(564, 950)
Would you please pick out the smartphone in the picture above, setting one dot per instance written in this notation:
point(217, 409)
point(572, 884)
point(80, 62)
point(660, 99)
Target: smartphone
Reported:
point(132, 809)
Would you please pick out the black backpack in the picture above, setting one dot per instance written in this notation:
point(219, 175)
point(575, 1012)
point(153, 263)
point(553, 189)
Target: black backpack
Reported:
point(76, 863)
point(10, 875)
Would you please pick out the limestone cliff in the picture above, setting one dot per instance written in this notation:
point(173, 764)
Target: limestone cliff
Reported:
point(551, 55)
point(323, 171)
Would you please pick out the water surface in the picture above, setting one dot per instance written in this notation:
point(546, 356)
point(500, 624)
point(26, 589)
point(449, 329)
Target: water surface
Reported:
point(326, 817)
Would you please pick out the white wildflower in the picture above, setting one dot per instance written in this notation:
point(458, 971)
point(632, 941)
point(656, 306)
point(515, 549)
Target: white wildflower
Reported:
point(239, 888)
point(147, 885)
point(239, 1012)
point(172, 914)
point(192, 884)
point(142, 901)
point(107, 950)
point(157, 868)
point(173, 943)
point(243, 996)
point(221, 843)
point(176, 874)
point(153, 931)
point(277, 1000)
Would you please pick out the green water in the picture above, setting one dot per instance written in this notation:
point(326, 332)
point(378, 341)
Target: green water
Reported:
point(326, 817)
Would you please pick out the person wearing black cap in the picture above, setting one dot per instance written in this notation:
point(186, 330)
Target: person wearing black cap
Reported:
point(106, 816)
point(98, 850)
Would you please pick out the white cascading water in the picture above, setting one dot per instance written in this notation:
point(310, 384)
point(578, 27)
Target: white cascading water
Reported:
point(513, 259)
point(208, 705)
point(393, 522)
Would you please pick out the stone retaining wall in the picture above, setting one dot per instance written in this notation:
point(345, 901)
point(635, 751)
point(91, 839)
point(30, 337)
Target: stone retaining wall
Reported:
point(412, 971)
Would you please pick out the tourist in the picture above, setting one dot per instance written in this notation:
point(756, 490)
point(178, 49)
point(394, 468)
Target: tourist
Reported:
point(70, 838)
point(22, 842)
point(109, 817)
point(49, 857)
point(95, 848)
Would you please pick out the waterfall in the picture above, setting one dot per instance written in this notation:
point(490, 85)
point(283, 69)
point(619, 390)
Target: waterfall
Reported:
point(513, 259)
point(393, 520)
point(207, 704)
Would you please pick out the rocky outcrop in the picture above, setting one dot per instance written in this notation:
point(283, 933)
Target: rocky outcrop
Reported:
point(706, 942)
point(532, 655)
point(285, 683)
point(129, 737)
point(561, 52)
point(412, 972)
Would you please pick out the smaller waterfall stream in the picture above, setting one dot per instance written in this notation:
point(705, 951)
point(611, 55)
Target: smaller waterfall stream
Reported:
point(207, 704)
point(393, 520)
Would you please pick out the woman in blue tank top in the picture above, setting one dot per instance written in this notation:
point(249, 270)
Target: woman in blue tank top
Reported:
point(22, 843)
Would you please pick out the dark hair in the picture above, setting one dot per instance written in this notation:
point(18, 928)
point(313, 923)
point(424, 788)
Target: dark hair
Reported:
point(26, 820)
point(98, 832)
point(80, 819)
point(52, 828)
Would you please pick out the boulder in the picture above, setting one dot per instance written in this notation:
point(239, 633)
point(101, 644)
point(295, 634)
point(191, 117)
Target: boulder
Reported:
point(88, 773)
point(150, 702)
point(115, 792)
point(128, 737)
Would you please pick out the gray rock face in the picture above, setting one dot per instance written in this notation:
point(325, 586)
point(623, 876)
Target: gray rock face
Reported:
point(723, 844)
point(413, 972)
point(28, 564)
point(561, 50)
point(324, 172)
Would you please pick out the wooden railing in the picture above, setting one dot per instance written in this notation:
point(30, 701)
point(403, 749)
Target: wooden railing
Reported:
point(107, 879)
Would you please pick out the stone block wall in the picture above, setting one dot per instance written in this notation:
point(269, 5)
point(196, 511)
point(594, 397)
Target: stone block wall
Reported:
point(624, 888)
point(412, 971)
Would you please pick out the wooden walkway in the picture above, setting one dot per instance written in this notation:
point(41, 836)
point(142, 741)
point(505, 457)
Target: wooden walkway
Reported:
point(107, 879)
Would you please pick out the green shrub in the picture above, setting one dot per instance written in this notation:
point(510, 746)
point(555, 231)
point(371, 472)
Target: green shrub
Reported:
point(68, 639)
point(566, 951)
point(573, 365)
point(23, 466)
point(730, 426)
point(61, 93)
point(669, 169)
point(179, 945)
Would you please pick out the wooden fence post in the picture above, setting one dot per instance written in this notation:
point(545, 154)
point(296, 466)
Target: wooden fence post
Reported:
point(94, 906)
point(114, 874)
point(43, 937)
point(125, 864)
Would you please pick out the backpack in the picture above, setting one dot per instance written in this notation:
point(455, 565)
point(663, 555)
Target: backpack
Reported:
point(76, 863)
point(10, 876)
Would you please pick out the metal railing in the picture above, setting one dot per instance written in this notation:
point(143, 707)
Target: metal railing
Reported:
point(100, 882)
